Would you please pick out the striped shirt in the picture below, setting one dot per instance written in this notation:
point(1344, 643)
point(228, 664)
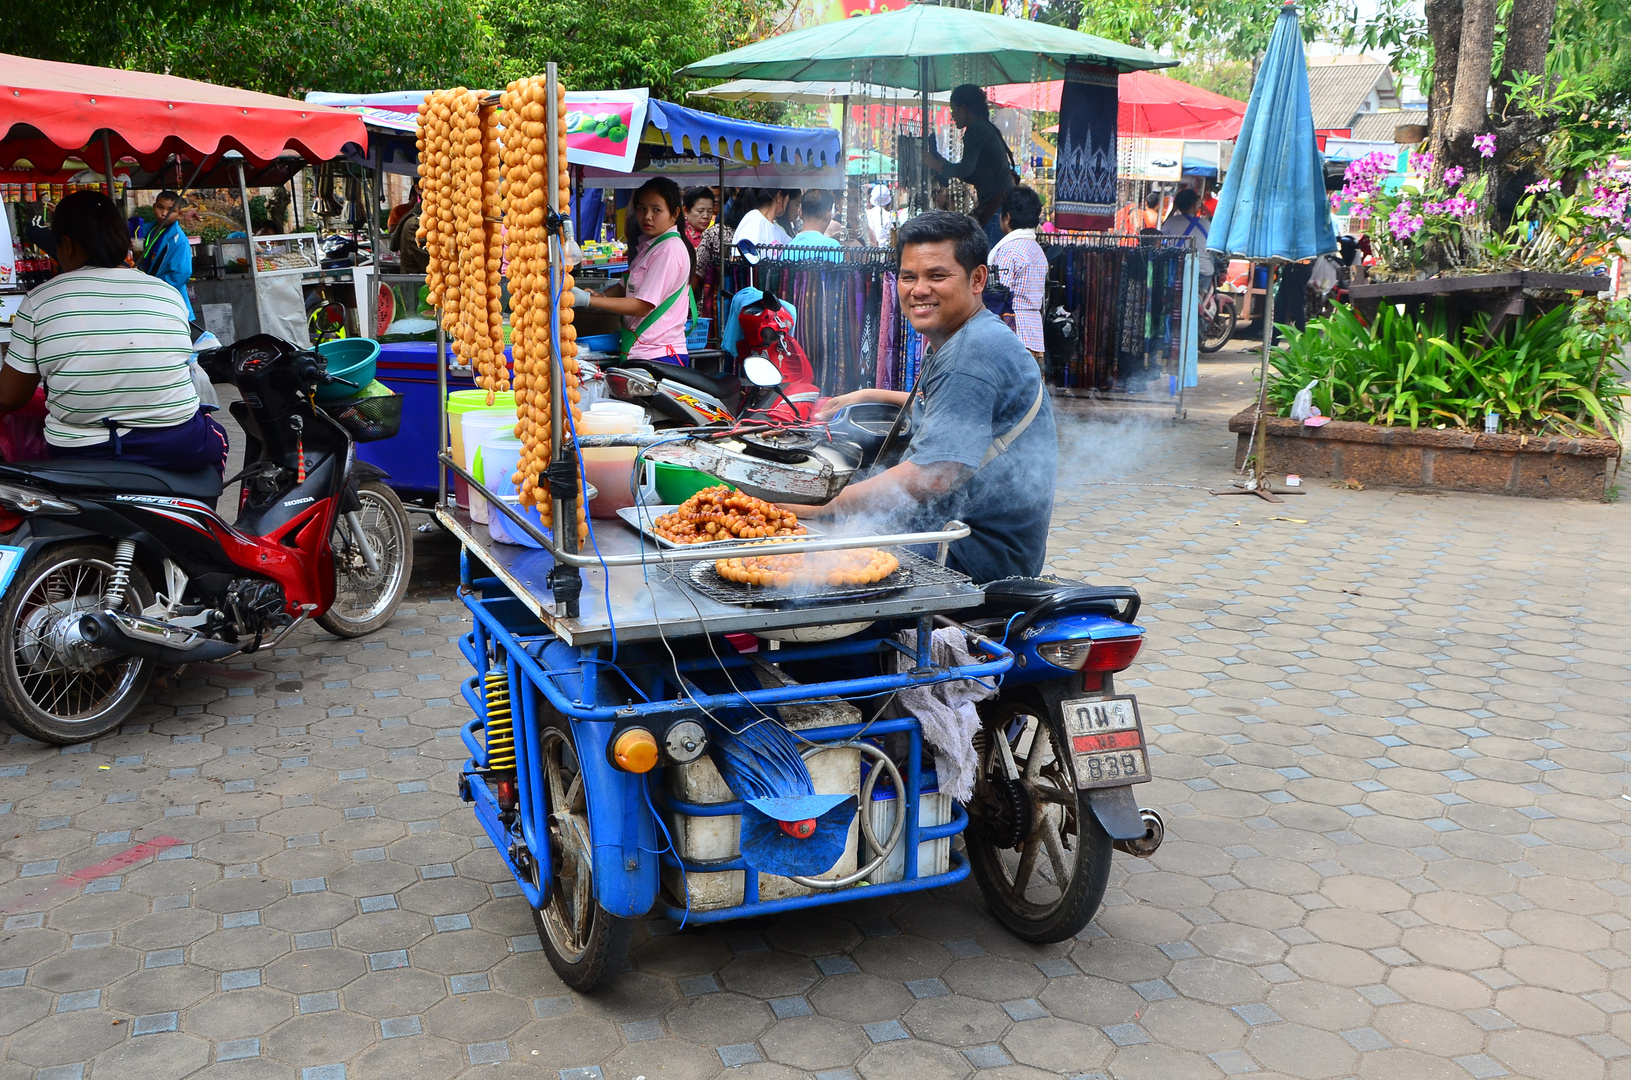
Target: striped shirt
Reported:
point(109, 344)
point(1021, 265)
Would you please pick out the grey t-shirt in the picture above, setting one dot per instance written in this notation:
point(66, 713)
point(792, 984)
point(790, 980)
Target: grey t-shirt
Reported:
point(977, 386)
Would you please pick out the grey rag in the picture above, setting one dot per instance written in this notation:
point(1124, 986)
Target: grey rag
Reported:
point(946, 711)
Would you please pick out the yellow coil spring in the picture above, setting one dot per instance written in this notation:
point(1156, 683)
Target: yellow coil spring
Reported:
point(500, 728)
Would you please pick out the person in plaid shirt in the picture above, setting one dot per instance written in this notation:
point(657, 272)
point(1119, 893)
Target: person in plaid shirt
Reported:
point(1019, 263)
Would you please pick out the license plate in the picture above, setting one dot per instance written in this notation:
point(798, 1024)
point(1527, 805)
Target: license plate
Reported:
point(1107, 741)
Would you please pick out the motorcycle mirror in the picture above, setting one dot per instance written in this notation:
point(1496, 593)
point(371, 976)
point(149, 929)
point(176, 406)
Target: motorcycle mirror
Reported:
point(749, 251)
point(761, 372)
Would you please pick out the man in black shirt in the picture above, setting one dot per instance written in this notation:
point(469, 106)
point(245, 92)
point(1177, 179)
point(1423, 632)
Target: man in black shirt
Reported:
point(986, 163)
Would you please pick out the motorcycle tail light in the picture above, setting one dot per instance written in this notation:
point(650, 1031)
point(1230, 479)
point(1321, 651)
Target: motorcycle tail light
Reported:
point(1113, 654)
point(1106, 654)
point(32, 501)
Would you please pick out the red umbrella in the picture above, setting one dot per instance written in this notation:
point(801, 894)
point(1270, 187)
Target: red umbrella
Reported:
point(50, 112)
point(1150, 104)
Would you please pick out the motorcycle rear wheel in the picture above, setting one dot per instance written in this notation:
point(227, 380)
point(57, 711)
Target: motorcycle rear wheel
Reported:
point(1217, 332)
point(41, 696)
point(365, 600)
point(1046, 877)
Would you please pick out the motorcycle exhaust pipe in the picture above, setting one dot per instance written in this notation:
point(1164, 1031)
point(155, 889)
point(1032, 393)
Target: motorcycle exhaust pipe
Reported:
point(1155, 831)
point(137, 635)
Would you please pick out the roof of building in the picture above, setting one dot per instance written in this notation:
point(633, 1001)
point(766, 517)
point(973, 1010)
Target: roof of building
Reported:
point(1336, 90)
point(1378, 126)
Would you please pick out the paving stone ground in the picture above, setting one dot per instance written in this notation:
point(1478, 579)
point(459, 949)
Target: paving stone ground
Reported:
point(1391, 735)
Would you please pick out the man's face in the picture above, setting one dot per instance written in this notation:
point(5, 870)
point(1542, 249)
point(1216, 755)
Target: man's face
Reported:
point(162, 208)
point(936, 293)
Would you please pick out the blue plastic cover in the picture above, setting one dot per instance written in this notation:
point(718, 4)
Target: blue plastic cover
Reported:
point(1273, 204)
point(768, 848)
point(696, 132)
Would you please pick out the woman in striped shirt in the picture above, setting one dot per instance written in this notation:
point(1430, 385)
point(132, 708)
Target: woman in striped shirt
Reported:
point(112, 347)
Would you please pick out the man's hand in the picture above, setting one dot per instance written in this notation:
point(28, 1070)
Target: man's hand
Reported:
point(892, 490)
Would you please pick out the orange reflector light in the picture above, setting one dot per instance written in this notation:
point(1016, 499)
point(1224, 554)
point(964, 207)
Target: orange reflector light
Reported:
point(635, 751)
point(799, 830)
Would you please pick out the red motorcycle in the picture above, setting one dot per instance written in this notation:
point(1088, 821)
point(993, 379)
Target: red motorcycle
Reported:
point(119, 568)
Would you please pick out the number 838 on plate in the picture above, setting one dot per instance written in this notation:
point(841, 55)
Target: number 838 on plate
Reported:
point(1106, 741)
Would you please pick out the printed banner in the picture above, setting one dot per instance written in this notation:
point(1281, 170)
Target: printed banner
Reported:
point(1152, 159)
point(603, 127)
point(1085, 173)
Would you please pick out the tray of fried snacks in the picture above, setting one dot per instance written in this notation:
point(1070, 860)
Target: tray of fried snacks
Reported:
point(715, 515)
point(807, 577)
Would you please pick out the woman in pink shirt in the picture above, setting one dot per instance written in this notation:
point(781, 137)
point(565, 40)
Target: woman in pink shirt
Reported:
point(655, 300)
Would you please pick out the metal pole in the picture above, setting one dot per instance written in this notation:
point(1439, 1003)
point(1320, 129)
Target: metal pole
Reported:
point(923, 184)
point(249, 234)
point(1261, 427)
point(719, 285)
point(107, 160)
point(374, 239)
point(565, 580)
point(442, 446)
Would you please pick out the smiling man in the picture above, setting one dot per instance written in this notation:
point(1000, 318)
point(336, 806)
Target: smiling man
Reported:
point(982, 446)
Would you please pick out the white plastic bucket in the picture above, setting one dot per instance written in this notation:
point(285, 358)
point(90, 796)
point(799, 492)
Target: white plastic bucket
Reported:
point(477, 428)
point(493, 463)
point(503, 531)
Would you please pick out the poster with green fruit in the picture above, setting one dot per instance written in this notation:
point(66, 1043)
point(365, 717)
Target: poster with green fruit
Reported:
point(603, 127)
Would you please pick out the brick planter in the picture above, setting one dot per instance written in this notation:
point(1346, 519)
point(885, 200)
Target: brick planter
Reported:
point(1544, 467)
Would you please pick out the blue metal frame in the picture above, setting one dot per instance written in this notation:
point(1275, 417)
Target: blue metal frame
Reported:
point(546, 676)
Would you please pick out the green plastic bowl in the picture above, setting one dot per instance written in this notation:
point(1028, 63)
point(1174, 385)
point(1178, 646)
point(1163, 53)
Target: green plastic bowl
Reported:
point(676, 483)
point(352, 359)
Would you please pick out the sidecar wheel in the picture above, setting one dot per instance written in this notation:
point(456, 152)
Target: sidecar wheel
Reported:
point(585, 944)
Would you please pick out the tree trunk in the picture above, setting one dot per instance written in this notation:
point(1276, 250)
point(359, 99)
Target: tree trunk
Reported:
point(1528, 32)
point(1469, 106)
point(1444, 29)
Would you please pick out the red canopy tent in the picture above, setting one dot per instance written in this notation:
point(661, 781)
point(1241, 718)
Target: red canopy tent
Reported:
point(50, 112)
point(1150, 104)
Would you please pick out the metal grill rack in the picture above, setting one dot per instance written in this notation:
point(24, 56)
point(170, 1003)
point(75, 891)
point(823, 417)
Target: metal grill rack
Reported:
point(913, 570)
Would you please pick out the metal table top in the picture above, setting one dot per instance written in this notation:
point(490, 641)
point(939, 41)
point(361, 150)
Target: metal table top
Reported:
point(644, 598)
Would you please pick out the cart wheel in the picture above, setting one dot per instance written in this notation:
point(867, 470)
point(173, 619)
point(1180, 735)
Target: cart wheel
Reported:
point(584, 943)
point(1035, 847)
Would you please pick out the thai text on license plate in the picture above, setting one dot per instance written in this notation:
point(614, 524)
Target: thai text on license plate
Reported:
point(1106, 740)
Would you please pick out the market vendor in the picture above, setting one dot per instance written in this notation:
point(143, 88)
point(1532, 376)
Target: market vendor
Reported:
point(112, 347)
point(982, 447)
point(987, 162)
point(657, 299)
point(166, 252)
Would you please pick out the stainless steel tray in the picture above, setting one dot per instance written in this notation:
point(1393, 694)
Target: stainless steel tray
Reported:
point(642, 519)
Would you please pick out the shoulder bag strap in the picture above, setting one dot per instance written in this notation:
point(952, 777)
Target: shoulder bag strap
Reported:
point(1002, 442)
point(631, 336)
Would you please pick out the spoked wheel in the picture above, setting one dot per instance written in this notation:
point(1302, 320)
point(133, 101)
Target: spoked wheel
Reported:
point(585, 944)
point(365, 598)
point(1220, 327)
point(54, 686)
point(1035, 847)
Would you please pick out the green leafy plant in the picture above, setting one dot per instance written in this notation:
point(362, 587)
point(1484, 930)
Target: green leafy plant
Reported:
point(1558, 373)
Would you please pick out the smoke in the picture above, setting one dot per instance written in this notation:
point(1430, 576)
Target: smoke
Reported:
point(1096, 448)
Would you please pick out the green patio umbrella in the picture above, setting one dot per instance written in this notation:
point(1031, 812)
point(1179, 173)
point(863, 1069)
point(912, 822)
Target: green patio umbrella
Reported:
point(924, 47)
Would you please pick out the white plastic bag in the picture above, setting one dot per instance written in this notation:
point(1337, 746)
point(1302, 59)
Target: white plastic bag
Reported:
point(1302, 406)
point(1323, 278)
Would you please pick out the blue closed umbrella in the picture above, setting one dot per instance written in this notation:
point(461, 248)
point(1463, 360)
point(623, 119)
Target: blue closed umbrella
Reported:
point(1273, 206)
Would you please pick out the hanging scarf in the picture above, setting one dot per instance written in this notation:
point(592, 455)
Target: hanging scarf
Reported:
point(1085, 177)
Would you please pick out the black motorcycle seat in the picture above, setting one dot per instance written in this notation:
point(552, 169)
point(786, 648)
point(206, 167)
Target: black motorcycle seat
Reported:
point(1037, 598)
point(723, 387)
point(118, 477)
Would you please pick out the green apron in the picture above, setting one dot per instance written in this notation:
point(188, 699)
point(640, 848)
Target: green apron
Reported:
point(629, 337)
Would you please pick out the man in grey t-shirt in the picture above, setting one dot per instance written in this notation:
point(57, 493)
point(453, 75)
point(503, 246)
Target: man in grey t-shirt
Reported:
point(982, 391)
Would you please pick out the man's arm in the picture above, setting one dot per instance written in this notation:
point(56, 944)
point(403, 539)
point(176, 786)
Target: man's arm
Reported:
point(888, 491)
point(16, 388)
point(830, 407)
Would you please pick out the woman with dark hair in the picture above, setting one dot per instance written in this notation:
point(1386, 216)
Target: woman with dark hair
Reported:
point(112, 347)
point(655, 300)
point(987, 162)
point(760, 224)
point(699, 213)
point(1018, 262)
point(716, 237)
